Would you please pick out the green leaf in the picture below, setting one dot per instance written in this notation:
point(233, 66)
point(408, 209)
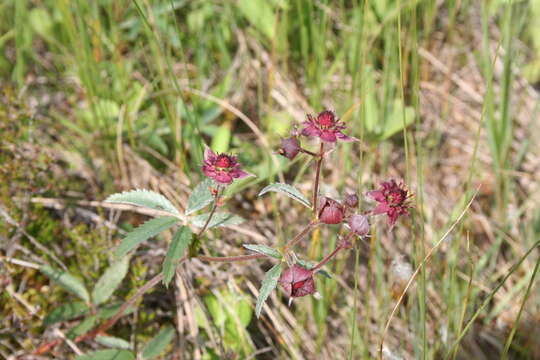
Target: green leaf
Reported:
point(218, 219)
point(67, 281)
point(110, 280)
point(288, 190)
point(113, 342)
point(145, 198)
point(200, 197)
point(111, 354)
point(260, 14)
point(158, 343)
point(269, 283)
point(144, 232)
point(84, 326)
point(397, 119)
point(180, 241)
point(263, 249)
point(66, 312)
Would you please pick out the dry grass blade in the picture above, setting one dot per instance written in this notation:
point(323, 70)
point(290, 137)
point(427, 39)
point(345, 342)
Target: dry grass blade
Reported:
point(415, 273)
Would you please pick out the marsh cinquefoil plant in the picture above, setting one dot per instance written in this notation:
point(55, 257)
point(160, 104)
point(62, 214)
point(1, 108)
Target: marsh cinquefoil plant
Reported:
point(295, 276)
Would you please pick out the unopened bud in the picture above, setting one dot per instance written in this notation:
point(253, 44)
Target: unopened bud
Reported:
point(330, 211)
point(290, 147)
point(297, 281)
point(359, 225)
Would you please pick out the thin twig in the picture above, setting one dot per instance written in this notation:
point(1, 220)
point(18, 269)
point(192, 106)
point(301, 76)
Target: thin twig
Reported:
point(214, 207)
point(300, 235)
point(317, 176)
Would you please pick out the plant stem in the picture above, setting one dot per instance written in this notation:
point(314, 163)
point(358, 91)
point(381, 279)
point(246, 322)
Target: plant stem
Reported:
point(340, 246)
point(308, 152)
point(214, 207)
point(317, 176)
point(300, 235)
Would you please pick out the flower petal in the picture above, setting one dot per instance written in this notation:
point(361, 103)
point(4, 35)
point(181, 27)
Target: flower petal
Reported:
point(310, 130)
point(209, 155)
point(223, 177)
point(377, 195)
point(240, 174)
point(381, 209)
point(341, 136)
point(328, 136)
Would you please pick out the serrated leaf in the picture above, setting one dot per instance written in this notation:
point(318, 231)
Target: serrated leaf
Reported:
point(263, 249)
point(145, 231)
point(145, 198)
point(110, 280)
point(309, 266)
point(84, 326)
point(158, 343)
point(268, 285)
point(66, 312)
point(67, 281)
point(113, 342)
point(111, 354)
point(200, 197)
point(180, 241)
point(288, 190)
point(218, 219)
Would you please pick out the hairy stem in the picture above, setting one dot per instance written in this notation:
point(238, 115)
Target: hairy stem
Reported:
point(317, 176)
point(300, 235)
point(327, 258)
point(214, 207)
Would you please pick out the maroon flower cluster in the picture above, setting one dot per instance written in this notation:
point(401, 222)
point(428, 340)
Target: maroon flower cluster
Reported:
point(222, 168)
point(392, 199)
point(325, 126)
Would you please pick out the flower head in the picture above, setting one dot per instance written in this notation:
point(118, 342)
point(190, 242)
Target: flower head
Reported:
point(223, 168)
point(297, 281)
point(290, 147)
point(392, 199)
point(330, 211)
point(326, 126)
point(359, 225)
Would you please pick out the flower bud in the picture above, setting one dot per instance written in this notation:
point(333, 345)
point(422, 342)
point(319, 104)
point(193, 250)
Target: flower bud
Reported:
point(351, 200)
point(359, 225)
point(297, 281)
point(330, 211)
point(290, 147)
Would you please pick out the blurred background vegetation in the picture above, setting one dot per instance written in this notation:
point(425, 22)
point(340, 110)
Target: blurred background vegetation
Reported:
point(108, 95)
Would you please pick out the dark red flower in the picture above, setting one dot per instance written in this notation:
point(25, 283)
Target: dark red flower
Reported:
point(326, 126)
point(392, 199)
point(222, 168)
point(290, 147)
point(297, 281)
point(330, 211)
point(359, 225)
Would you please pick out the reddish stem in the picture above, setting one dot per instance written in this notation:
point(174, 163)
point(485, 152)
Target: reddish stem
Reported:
point(300, 235)
point(342, 245)
point(214, 207)
point(317, 176)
